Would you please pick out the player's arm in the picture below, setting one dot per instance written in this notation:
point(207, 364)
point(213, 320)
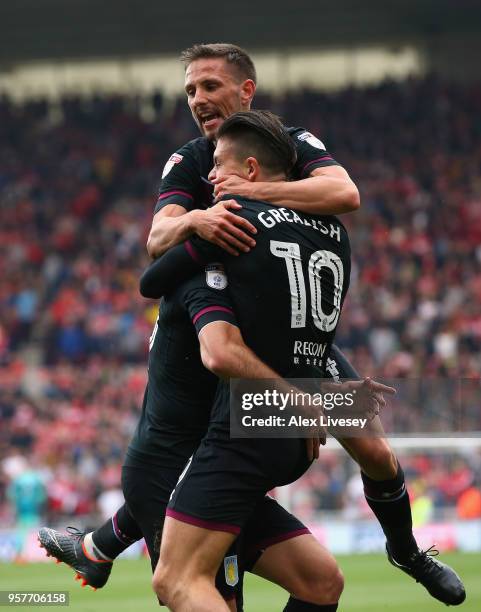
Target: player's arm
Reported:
point(177, 265)
point(210, 308)
point(327, 191)
point(170, 226)
point(168, 271)
point(324, 187)
point(225, 354)
point(173, 224)
point(177, 216)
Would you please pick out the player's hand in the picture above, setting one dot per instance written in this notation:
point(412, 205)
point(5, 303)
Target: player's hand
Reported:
point(312, 444)
point(368, 395)
point(319, 436)
point(222, 227)
point(234, 185)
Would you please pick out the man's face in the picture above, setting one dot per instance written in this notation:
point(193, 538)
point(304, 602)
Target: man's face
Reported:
point(226, 162)
point(214, 92)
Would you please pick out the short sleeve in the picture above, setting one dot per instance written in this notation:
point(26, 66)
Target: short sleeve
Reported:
point(206, 297)
point(202, 251)
point(181, 180)
point(311, 153)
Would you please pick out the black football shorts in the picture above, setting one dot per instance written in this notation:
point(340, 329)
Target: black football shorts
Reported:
point(227, 478)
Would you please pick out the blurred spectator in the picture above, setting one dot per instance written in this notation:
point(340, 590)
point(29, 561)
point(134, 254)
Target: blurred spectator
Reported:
point(77, 189)
point(422, 506)
point(27, 494)
point(469, 504)
point(109, 501)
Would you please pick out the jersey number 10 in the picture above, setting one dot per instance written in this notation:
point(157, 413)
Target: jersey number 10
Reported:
point(291, 253)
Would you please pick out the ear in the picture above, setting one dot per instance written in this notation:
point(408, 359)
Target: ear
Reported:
point(253, 169)
point(248, 89)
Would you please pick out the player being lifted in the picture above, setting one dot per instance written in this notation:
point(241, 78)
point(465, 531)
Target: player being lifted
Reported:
point(174, 414)
point(174, 417)
point(220, 79)
point(288, 289)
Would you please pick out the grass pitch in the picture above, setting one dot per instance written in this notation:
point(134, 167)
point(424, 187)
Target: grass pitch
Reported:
point(372, 585)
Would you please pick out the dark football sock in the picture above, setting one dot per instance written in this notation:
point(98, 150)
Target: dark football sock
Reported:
point(296, 605)
point(389, 500)
point(117, 533)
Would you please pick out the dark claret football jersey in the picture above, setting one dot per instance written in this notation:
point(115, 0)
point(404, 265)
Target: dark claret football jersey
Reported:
point(184, 179)
point(180, 391)
point(287, 292)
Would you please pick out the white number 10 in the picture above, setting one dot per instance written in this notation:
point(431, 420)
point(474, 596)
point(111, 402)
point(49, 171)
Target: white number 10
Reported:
point(291, 253)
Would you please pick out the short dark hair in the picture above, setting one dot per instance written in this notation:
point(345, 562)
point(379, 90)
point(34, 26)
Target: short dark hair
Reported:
point(233, 55)
point(260, 134)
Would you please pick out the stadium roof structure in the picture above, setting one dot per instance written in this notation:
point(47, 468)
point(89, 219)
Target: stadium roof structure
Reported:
point(80, 29)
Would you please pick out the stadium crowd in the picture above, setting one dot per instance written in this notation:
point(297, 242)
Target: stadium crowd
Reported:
point(77, 188)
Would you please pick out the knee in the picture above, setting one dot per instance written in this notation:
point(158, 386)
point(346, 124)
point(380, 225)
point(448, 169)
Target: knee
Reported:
point(163, 584)
point(383, 455)
point(321, 589)
point(159, 583)
point(378, 460)
point(333, 585)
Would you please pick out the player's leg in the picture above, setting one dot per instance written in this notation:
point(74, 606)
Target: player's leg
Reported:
point(113, 537)
point(187, 575)
point(215, 497)
point(387, 496)
point(91, 554)
point(306, 570)
point(277, 546)
point(147, 489)
point(386, 493)
point(189, 559)
point(383, 478)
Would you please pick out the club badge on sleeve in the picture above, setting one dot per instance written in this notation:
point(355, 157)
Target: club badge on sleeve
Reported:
point(231, 570)
point(215, 276)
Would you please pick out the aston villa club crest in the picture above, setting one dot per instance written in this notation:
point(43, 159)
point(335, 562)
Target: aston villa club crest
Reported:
point(231, 570)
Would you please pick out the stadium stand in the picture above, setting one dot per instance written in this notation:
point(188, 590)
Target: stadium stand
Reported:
point(77, 188)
